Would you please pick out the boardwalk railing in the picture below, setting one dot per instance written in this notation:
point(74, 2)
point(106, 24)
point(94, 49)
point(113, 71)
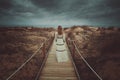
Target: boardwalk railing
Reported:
point(72, 57)
point(74, 49)
point(43, 51)
point(45, 56)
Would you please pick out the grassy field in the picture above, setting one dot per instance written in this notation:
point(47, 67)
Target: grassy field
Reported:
point(16, 46)
point(100, 47)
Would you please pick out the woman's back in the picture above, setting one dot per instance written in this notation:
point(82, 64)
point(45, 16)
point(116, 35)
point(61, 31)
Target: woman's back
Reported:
point(60, 32)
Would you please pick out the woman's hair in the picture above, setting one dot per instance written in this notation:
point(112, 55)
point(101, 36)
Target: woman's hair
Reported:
point(60, 30)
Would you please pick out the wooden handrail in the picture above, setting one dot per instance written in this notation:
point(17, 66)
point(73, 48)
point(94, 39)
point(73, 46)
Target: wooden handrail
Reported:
point(75, 68)
point(24, 64)
point(76, 49)
point(42, 52)
point(45, 58)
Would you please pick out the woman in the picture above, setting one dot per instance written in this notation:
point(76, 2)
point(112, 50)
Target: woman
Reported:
point(61, 52)
point(60, 34)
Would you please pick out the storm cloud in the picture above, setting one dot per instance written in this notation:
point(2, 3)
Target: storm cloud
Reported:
point(60, 12)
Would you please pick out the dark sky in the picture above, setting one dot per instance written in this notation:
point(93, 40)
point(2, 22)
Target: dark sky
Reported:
point(60, 12)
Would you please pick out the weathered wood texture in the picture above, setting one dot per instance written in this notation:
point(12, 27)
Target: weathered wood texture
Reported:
point(54, 70)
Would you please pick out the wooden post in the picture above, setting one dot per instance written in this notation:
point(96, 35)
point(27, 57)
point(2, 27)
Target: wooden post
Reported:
point(43, 50)
point(67, 41)
point(73, 49)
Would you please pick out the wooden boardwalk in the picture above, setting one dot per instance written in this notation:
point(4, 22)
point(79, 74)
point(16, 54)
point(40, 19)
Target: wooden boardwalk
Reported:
point(54, 70)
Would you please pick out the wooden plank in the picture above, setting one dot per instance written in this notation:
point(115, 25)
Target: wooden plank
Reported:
point(58, 78)
point(53, 70)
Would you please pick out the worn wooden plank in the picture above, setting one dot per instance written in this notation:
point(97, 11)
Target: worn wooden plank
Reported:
point(58, 78)
point(54, 70)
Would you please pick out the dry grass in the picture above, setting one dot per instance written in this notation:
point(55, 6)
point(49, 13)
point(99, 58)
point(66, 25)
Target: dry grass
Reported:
point(101, 48)
point(17, 45)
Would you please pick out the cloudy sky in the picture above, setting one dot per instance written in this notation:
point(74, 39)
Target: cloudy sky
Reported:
point(60, 12)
